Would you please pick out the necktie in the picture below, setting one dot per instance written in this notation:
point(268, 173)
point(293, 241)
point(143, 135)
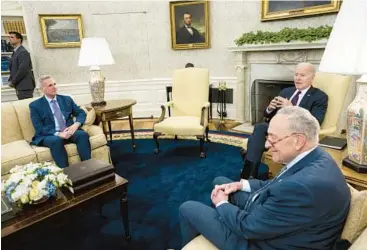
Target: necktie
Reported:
point(253, 197)
point(295, 98)
point(58, 115)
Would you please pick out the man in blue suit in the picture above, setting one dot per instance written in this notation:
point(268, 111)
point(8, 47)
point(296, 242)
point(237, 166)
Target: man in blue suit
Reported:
point(52, 118)
point(302, 95)
point(304, 207)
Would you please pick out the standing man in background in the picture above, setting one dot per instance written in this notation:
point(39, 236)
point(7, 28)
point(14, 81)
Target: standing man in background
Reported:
point(20, 66)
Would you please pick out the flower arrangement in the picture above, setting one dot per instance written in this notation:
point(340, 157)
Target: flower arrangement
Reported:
point(33, 182)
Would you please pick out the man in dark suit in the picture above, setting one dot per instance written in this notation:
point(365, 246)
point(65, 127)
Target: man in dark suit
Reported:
point(20, 66)
point(187, 33)
point(52, 118)
point(304, 207)
point(302, 95)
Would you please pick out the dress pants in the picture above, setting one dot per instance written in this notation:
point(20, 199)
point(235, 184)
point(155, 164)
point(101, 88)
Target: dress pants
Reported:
point(197, 218)
point(24, 94)
point(57, 147)
point(256, 143)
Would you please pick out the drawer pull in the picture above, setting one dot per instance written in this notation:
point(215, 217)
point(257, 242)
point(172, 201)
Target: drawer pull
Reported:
point(119, 114)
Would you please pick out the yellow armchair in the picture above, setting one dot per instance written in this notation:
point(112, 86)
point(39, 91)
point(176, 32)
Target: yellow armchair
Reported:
point(336, 87)
point(189, 107)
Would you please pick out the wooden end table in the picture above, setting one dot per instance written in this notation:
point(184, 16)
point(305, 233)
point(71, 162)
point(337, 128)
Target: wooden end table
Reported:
point(115, 110)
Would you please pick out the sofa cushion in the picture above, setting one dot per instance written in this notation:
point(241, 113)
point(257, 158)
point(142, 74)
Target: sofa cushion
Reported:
point(357, 217)
point(10, 127)
point(24, 117)
point(199, 243)
point(180, 125)
point(360, 243)
point(44, 153)
point(16, 153)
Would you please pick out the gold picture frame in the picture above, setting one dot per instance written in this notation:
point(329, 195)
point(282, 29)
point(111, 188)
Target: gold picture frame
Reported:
point(189, 25)
point(61, 31)
point(275, 10)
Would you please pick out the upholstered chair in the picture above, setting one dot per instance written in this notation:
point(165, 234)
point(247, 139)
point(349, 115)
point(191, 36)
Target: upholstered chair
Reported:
point(189, 107)
point(336, 87)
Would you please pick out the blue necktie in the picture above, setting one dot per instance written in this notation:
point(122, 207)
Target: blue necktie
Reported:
point(58, 115)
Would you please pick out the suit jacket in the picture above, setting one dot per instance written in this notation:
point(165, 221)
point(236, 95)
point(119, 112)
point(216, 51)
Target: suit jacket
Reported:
point(20, 67)
point(184, 36)
point(315, 101)
point(305, 208)
point(44, 121)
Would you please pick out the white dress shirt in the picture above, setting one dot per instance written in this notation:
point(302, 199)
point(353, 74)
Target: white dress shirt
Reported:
point(246, 185)
point(189, 29)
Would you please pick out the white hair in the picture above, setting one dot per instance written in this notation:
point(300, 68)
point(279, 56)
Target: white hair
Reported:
point(43, 78)
point(307, 65)
point(301, 121)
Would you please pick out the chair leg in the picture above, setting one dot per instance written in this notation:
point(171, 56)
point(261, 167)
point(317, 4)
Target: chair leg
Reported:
point(176, 138)
point(155, 136)
point(207, 134)
point(202, 153)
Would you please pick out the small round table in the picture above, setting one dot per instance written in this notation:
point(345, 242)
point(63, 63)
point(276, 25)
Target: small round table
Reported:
point(114, 110)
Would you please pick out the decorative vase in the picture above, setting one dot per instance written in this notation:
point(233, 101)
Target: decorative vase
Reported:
point(97, 86)
point(357, 128)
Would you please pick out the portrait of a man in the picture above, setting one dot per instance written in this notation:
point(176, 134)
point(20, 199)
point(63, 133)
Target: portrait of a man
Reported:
point(189, 24)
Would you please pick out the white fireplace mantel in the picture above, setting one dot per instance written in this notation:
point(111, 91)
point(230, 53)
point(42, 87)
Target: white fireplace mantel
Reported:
point(269, 62)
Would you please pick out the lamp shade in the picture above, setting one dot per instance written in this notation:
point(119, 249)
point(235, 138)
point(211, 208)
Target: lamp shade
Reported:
point(346, 49)
point(95, 51)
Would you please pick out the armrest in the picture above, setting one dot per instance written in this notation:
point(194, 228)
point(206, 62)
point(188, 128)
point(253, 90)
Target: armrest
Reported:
point(164, 107)
point(360, 242)
point(204, 114)
point(93, 130)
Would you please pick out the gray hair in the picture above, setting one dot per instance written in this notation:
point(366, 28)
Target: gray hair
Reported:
point(301, 121)
point(308, 65)
point(43, 78)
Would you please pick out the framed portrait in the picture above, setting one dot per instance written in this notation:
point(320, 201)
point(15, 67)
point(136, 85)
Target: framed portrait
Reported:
point(189, 25)
point(61, 31)
point(275, 9)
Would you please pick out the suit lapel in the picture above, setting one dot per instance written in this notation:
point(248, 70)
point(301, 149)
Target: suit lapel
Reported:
point(48, 109)
point(306, 97)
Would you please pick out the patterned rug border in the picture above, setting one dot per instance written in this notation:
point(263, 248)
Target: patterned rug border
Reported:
point(227, 138)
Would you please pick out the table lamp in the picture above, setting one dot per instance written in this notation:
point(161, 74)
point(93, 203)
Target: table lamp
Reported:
point(95, 52)
point(346, 53)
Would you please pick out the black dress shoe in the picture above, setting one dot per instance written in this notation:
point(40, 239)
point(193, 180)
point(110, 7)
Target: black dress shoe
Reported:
point(250, 170)
point(243, 153)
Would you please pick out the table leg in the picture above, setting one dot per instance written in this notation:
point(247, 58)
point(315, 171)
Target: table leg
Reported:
point(125, 214)
point(110, 130)
point(132, 130)
point(104, 128)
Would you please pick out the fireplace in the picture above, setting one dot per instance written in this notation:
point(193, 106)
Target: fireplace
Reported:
point(262, 92)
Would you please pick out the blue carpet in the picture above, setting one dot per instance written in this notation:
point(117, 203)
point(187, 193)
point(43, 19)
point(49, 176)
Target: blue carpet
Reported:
point(158, 185)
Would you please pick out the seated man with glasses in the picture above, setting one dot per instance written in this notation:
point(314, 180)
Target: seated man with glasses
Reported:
point(302, 95)
point(304, 207)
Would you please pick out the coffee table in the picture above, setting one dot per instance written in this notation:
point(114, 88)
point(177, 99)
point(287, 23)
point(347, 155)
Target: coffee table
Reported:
point(67, 205)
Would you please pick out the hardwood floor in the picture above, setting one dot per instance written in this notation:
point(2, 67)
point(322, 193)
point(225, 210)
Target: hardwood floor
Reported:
point(147, 123)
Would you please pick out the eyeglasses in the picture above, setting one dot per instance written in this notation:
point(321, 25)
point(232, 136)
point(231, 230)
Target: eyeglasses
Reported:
point(272, 143)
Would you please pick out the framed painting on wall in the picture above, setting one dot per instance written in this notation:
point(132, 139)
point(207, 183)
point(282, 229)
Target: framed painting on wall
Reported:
point(61, 31)
point(274, 9)
point(189, 24)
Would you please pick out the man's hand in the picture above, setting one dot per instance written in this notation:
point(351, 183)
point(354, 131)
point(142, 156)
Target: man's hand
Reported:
point(71, 129)
point(220, 196)
point(226, 188)
point(274, 104)
point(283, 102)
point(64, 135)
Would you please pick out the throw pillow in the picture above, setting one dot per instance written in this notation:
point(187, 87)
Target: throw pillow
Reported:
point(357, 217)
point(91, 115)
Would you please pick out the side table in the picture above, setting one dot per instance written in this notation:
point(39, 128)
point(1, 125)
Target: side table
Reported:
point(114, 110)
